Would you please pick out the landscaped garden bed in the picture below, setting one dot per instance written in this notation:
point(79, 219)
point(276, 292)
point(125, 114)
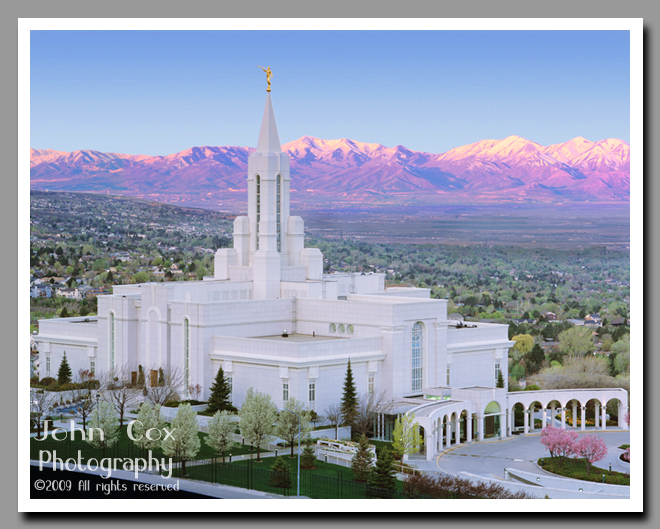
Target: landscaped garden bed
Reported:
point(577, 469)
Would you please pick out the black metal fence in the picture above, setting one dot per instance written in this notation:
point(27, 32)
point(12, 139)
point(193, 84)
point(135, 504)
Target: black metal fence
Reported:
point(245, 476)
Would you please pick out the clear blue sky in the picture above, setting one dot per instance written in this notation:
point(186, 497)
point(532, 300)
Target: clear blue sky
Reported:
point(160, 92)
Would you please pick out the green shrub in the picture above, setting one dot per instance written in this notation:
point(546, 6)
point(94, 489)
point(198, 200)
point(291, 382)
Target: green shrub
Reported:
point(48, 381)
point(280, 476)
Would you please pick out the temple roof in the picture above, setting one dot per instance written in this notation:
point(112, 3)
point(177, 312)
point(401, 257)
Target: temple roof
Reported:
point(269, 140)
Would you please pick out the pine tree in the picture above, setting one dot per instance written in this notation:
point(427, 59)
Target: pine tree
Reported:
point(161, 377)
point(383, 475)
point(361, 464)
point(219, 399)
point(308, 458)
point(279, 474)
point(140, 380)
point(500, 380)
point(64, 372)
point(349, 400)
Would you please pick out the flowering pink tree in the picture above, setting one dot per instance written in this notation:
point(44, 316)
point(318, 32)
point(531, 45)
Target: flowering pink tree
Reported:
point(626, 455)
point(559, 442)
point(627, 418)
point(592, 448)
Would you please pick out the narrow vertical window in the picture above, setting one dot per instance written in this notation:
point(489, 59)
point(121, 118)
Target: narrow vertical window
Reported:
point(258, 207)
point(92, 366)
point(417, 346)
point(285, 391)
point(370, 386)
point(48, 364)
point(497, 371)
point(230, 385)
point(448, 375)
point(277, 212)
point(186, 353)
point(112, 341)
point(312, 391)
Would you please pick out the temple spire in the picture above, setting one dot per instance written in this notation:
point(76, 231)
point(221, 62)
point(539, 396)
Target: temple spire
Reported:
point(269, 140)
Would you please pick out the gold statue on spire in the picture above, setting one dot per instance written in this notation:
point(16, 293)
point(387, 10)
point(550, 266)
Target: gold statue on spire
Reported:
point(269, 74)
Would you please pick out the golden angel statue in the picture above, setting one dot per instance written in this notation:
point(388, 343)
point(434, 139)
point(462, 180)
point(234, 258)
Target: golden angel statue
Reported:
point(269, 74)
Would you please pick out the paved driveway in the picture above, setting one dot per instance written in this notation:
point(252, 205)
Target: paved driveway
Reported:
point(490, 458)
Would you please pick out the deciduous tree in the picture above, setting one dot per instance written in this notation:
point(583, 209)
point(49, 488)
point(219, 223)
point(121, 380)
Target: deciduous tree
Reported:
point(559, 442)
point(576, 341)
point(221, 432)
point(184, 442)
point(407, 439)
point(333, 413)
point(148, 418)
point(103, 427)
point(592, 448)
point(258, 415)
point(287, 423)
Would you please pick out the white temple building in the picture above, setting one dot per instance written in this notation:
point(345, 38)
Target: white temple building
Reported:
point(398, 340)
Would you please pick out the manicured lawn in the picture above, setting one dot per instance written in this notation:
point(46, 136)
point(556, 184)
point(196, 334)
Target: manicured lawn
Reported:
point(577, 469)
point(623, 447)
point(326, 481)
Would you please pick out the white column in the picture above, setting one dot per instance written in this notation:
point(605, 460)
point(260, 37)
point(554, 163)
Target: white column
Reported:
point(468, 428)
point(448, 433)
point(531, 418)
point(604, 419)
point(430, 446)
point(563, 417)
point(596, 412)
point(480, 422)
point(503, 424)
point(543, 410)
point(574, 414)
point(553, 412)
point(583, 418)
point(526, 421)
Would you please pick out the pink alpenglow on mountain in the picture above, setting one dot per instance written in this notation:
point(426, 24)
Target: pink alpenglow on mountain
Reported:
point(489, 171)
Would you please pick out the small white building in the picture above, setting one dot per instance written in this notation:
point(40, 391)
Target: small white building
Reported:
point(398, 339)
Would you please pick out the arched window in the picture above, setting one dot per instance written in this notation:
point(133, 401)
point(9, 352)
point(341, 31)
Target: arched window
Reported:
point(417, 349)
point(277, 212)
point(258, 207)
point(186, 353)
point(112, 341)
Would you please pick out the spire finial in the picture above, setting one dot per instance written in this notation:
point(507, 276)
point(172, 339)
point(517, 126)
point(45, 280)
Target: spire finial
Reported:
point(269, 74)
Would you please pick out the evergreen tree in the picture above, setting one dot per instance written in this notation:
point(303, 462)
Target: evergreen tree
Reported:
point(279, 474)
point(500, 380)
point(140, 380)
point(219, 399)
point(361, 464)
point(161, 377)
point(308, 458)
point(64, 313)
point(64, 372)
point(383, 475)
point(349, 401)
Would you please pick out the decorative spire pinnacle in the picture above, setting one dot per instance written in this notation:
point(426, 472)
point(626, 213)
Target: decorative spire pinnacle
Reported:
point(269, 74)
point(269, 140)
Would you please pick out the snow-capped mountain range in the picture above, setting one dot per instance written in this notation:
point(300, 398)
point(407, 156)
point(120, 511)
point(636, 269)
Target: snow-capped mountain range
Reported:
point(510, 170)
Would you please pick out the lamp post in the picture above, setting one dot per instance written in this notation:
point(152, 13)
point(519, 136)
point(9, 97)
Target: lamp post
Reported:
point(298, 480)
